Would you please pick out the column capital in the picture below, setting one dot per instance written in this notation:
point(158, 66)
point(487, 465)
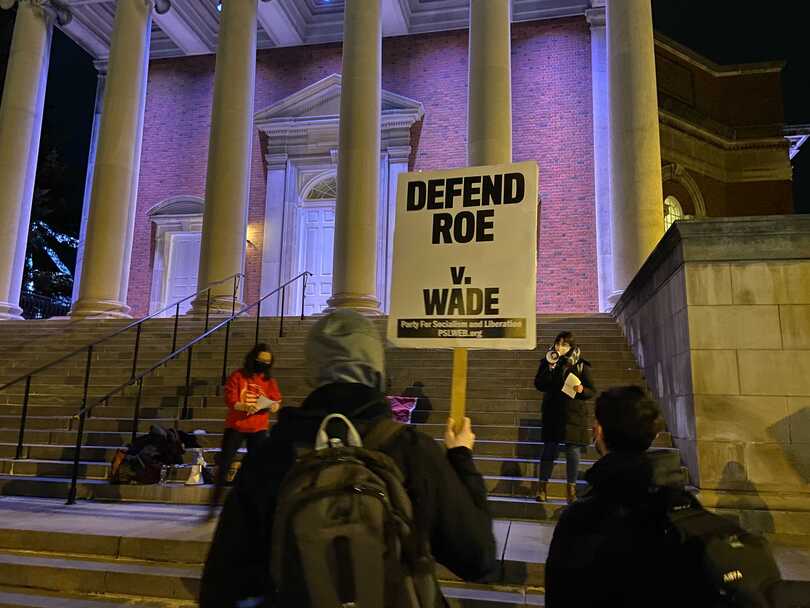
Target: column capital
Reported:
point(41, 8)
point(276, 162)
point(596, 17)
point(399, 154)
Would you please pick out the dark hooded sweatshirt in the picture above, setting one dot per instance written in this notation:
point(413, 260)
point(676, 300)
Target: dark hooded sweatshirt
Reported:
point(447, 492)
point(609, 548)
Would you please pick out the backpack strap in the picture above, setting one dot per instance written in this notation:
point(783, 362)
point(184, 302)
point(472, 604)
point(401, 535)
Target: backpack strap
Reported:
point(382, 433)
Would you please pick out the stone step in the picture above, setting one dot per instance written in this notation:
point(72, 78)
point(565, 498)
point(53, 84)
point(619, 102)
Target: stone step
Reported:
point(24, 597)
point(41, 563)
point(507, 476)
point(71, 573)
point(458, 596)
point(245, 341)
point(118, 432)
point(487, 465)
point(72, 391)
point(210, 363)
point(497, 485)
point(501, 506)
point(504, 476)
point(211, 406)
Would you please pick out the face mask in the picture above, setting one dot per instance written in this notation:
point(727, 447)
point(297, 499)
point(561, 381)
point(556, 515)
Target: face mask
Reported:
point(261, 368)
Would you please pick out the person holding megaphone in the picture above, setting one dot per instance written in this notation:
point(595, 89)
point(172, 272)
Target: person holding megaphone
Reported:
point(565, 378)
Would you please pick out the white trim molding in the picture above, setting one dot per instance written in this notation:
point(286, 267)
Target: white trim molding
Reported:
point(301, 149)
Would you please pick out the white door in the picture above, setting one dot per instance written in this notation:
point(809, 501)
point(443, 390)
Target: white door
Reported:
point(181, 271)
point(316, 238)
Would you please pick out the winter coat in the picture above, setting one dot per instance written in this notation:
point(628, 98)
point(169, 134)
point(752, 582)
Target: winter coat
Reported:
point(565, 419)
point(448, 494)
point(609, 547)
point(240, 389)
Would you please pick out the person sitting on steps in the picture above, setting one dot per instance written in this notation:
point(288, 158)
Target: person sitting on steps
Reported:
point(564, 418)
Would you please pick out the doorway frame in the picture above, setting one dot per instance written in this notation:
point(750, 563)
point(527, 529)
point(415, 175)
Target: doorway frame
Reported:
point(177, 215)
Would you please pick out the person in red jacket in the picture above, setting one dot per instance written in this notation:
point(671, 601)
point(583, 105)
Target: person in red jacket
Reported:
point(251, 394)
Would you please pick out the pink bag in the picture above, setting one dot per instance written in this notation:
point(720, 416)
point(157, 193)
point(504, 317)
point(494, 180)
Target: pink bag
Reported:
point(402, 407)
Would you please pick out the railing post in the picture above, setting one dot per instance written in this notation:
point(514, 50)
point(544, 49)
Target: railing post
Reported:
point(258, 318)
point(281, 320)
point(136, 418)
point(225, 356)
point(228, 329)
point(176, 319)
point(24, 415)
point(207, 308)
point(76, 456)
point(235, 289)
point(303, 294)
point(137, 347)
point(188, 383)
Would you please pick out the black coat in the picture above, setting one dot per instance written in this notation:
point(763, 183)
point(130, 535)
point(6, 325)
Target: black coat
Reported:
point(448, 494)
point(565, 419)
point(609, 547)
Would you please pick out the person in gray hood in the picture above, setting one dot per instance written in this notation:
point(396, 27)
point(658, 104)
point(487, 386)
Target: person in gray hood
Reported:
point(345, 362)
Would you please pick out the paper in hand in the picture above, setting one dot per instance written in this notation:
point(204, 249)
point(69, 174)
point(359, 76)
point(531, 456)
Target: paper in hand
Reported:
point(263, 403)
point(571, 382)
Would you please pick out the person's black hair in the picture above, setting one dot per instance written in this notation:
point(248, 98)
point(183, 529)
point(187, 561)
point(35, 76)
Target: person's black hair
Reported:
point(629, 419)
point(568, 337)
point(249, 366)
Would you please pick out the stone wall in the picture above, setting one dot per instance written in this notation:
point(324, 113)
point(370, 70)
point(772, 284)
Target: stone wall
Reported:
point(719, 319)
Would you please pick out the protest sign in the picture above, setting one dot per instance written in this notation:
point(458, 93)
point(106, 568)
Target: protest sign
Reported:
point(465, 258)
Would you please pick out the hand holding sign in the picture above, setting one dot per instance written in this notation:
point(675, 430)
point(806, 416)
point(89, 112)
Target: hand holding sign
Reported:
point(462, 437)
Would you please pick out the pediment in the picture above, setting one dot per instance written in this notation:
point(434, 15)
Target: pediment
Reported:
point(321, 100)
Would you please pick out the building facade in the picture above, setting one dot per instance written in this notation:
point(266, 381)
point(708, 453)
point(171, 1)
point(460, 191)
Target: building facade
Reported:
point(719, 130)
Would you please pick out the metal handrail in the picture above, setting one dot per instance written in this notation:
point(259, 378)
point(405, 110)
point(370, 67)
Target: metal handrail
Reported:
point(89, 348)
point(118, 332)
point(138, 379)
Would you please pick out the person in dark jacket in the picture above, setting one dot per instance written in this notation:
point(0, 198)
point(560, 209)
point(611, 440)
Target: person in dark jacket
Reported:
point(564, 418)
point(345, 358)
point(609, 548)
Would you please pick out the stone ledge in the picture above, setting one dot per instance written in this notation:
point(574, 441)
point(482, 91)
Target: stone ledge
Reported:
point(759, 238)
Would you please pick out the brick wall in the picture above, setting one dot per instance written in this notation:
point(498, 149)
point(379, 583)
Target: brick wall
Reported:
point(552, 124)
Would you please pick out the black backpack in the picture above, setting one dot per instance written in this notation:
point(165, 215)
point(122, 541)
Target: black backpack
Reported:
point(732, 567)
point(343, 534)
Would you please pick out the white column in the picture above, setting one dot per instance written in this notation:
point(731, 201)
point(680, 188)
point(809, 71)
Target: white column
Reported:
point(397, 163)
point(355, 259)
point(222, 249)
point(635, 148)
point(88, 182)
point(601, 150)
point(489, 105)
point(20, 126)
point(110, 224)
point(273, 230)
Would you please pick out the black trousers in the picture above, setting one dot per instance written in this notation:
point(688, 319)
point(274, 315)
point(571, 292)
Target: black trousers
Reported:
point(231, 442)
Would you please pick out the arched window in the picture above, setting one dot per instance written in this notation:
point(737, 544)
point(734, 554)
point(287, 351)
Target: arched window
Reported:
point(672, 211)
point(324, 190)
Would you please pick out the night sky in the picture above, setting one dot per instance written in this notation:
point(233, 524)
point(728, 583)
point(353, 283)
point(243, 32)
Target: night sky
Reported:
point(724, 31)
